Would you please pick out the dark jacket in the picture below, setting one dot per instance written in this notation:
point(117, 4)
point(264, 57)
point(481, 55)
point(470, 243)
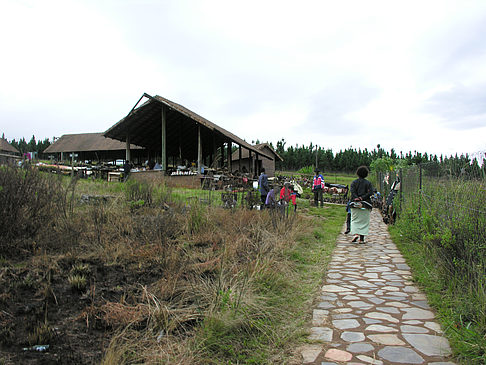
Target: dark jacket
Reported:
point(362, 188)
point(263, 184)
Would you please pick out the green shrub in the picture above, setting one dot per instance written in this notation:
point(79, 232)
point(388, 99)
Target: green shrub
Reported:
point(307, 170)
point(31, 202)
point(449, 221)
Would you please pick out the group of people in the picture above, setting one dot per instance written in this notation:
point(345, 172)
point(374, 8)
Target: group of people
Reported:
point(359, 206)
point(268, 197)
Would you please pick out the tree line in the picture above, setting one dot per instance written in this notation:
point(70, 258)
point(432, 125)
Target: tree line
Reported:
point(348, 160)
point(32, 146)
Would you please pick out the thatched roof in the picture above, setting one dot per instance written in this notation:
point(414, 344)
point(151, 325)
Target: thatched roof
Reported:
point(260, 147)
point(86, 142)
point(143, 124)
point(7, 147)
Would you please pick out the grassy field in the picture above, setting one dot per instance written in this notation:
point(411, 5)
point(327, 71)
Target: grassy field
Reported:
point(119, 273)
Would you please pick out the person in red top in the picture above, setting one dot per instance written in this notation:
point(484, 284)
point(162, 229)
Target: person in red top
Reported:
point(293, 197)
point(285, 193)
point(318, 188)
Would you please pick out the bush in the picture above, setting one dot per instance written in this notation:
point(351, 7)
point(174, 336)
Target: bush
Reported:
point(31, 202)
point(307, 170)
point(449, 221)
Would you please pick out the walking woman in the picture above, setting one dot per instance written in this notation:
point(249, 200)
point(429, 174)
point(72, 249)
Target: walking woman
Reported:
point(361, 192)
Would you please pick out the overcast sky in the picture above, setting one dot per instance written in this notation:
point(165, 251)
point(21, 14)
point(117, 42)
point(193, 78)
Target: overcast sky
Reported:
point(409, 75)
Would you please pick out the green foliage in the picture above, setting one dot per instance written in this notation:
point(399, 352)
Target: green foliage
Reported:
point(444, 230)
point(138, 192)
point(31, 201)
point(77, 282)
point(32, 146)
point(384, 164)
point(308, 170)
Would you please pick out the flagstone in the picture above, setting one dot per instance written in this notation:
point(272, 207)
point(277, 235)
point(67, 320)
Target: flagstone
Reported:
point(350, 297)
point(413, 329)
point(352, 336)
point(363, 284)
point(419, 296)
point(421, 303)
point(403, 272)
point(410, 289)
point(344, 316)
point(397, 304)
point(386, 339)
point(326, 305)
point(360, 347)
point(360, 304)
point(384, 316)
point(338, 355)
point(371, 321)
point(334, 275)
point(319, 316)
point(380, 328)
point(371, 275)
point(310, 353)
point(327, 298)
point(391, 310)
point(321, 334)
point(369, 360)
point(333, 288)
point(412, 322)
point(396, 283)
point(343, 324)
point(342, 310)
point(399, 354)
point(429, 345)
point(396, 299)
point(416, 313)
point(434, 326)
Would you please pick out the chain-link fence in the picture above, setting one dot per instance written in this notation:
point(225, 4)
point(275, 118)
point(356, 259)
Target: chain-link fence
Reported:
point(417, 185)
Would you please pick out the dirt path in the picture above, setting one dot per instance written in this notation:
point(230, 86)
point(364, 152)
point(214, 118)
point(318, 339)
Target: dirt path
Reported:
point(369, 311)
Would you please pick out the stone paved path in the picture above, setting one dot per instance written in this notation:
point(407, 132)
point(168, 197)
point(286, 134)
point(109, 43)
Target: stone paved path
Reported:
point(369, 312)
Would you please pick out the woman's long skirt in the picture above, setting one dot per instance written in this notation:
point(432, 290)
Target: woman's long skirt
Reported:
point(360, 221)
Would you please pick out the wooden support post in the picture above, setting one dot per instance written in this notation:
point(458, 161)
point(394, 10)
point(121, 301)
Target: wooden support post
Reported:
point(222, 154)
point(72, 164)
point(239, 158)
point(250, 163)
point(199, 149)
point(127, 148)
point(257, 165)
point(163, 162)
point(229, 157)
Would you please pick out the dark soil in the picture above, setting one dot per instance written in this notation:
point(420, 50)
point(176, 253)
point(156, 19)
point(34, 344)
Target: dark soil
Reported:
point(34, 293)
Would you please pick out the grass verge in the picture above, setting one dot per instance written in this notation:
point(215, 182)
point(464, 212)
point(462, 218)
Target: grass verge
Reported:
point(465, 337)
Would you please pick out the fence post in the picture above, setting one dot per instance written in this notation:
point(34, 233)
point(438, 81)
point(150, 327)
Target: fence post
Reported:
point(420, 191)
point(400, 175)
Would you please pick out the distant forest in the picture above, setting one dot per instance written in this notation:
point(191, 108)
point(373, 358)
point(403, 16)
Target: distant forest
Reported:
point(348, 160)
point(32, 146)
